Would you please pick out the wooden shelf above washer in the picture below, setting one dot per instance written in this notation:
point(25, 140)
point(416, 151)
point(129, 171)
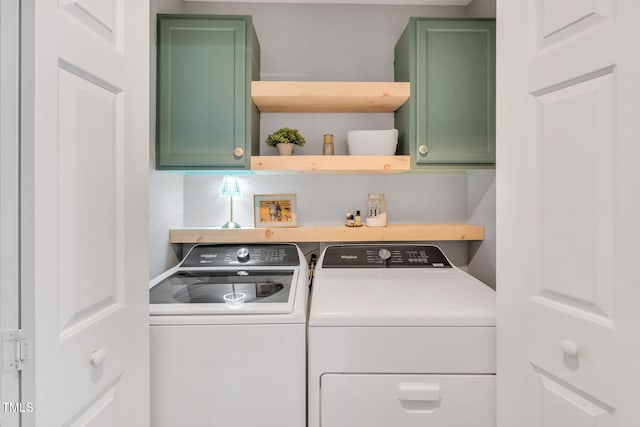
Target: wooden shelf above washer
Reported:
point(329, 97)
point(330, 233)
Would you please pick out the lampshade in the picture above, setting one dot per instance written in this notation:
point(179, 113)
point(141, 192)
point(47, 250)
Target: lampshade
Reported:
point(230, 186)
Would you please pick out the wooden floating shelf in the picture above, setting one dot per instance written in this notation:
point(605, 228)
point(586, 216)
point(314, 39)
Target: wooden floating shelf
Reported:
point(331, 233)
point(332, 164)
point(329, 97)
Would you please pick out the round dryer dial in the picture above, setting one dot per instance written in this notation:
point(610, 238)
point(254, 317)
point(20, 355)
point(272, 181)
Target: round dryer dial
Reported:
point(384, 254)
point(242, 254)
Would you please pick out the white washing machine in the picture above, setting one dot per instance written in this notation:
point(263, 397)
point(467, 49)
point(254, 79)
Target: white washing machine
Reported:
point(398, 336)
point(228, 338)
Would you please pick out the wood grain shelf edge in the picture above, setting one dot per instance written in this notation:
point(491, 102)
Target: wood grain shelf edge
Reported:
point(331, 233)
point(325, 97)
point(332, 164)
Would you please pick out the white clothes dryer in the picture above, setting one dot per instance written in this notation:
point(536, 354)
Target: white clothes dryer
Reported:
point(228, 338)
point(398, 336)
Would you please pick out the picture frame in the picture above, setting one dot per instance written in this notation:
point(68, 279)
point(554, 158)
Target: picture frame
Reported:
point(275, 210)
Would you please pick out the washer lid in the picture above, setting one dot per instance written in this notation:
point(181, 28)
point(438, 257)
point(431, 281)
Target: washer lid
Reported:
point(400, 297)
point(224, 291)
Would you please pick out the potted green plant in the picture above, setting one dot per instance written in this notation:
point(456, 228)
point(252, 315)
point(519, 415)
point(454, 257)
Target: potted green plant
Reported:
point(284, 139)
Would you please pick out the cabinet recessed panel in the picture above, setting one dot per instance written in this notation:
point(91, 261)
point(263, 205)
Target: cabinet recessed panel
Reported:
point(90, 201)
point(198, 80)
point(454, 94)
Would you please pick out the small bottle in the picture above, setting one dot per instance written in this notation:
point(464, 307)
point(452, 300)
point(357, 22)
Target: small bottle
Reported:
point(349, 222)
point(327, 146)
point(358, 219)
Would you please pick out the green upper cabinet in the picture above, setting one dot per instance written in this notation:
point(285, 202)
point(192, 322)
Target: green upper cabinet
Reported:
point(450, 116)
point(206, 119)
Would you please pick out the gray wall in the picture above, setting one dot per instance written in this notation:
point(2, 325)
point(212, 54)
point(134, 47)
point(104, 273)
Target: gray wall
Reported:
point(335, 43)
point(482, 9)
point(326, 41)
point(325, 199)
point(481, 209)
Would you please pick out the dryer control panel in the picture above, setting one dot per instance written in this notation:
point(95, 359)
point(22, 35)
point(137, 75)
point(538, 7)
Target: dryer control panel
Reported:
point(245, 255)
point(391, 256)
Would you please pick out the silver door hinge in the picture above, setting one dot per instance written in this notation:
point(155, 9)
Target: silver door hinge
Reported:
point(16, 350)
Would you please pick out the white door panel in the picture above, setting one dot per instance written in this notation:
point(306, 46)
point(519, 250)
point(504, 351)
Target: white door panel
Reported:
point(554, 20)
point(562, 405)
point(89, 206)
point(91, 164)
point(555, 331)
point(102, 18)
point(566, 331)
point(573, 170)
point(576, 49)
point(100, 413)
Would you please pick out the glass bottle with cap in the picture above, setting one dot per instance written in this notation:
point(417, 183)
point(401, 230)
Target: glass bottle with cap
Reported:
point(376, 210)
point(327, 146)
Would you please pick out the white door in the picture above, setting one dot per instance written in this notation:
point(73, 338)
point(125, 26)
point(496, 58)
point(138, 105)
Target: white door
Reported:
point(568, 185)
point(85, 139)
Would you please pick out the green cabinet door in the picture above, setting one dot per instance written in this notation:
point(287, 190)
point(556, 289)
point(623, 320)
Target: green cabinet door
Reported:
point(450, 117)
point(205, 117)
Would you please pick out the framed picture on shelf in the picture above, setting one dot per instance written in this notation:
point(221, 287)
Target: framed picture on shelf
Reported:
point(275, 210)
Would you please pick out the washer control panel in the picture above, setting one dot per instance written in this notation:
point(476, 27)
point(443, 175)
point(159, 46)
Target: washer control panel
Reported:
point(391, 256)
point(246, 255)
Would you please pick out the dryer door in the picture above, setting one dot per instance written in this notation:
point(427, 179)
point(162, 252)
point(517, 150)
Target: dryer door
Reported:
point(382, 400)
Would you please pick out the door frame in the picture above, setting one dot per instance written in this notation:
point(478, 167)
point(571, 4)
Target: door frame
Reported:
point(10, 27)
point(27, 206)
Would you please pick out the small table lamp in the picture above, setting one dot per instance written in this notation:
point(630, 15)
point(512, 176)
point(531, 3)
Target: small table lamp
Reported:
point(230, 188)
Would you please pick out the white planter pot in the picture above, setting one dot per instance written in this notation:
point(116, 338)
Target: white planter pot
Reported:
point(285, 149)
